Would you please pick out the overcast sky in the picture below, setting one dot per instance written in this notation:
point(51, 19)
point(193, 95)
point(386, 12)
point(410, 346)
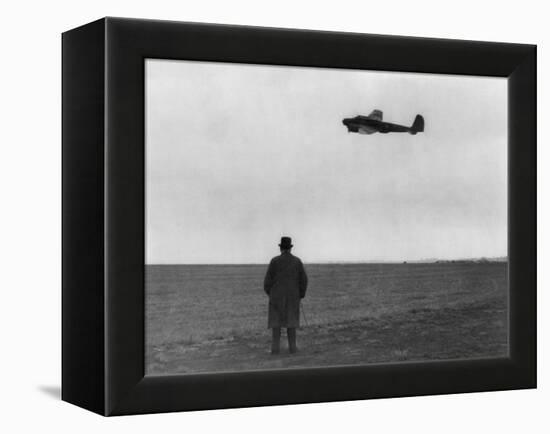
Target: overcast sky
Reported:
point(239, 155)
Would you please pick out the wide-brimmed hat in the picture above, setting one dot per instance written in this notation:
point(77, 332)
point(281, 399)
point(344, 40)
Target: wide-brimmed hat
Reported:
point(286, 243)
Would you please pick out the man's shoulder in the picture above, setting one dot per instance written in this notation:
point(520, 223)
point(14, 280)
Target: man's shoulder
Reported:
point(285, 257)
point(296, 259)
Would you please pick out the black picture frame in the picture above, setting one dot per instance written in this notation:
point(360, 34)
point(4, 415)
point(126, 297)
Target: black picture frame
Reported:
point(103, 215)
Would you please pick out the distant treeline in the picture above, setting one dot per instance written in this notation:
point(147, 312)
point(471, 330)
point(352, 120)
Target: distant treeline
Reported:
point(472, 261)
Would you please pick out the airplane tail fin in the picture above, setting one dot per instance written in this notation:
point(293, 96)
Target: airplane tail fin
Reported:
point(418, 125)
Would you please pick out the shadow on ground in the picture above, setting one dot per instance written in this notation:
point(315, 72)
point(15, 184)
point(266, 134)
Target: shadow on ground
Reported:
point(51, 391)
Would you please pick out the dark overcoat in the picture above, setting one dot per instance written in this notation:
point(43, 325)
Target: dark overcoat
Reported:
point(285, 283)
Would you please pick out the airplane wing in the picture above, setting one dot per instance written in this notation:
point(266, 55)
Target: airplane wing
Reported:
point(376, 115)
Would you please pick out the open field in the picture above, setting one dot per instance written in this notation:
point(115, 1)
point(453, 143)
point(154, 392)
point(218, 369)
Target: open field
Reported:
point(209, 318)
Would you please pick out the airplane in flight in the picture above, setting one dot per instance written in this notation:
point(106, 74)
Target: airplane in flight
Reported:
point(373, 123)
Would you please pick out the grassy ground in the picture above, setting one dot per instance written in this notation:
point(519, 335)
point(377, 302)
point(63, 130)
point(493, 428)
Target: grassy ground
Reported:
point(356, 314)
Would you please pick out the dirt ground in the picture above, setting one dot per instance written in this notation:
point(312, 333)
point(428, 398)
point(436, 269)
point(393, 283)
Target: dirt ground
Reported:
point(465, 330)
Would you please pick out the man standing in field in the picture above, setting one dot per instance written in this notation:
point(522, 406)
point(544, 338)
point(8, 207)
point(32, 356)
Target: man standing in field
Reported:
point(285, 283)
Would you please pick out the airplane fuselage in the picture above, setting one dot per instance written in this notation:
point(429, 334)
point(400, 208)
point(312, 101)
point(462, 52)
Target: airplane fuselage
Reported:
point(365, 125)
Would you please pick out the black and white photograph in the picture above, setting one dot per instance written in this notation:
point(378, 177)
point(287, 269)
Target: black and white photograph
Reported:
point(300, 217)
point(275, 217)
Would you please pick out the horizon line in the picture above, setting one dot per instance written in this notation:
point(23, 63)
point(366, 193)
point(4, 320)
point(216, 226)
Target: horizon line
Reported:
point(374, 261)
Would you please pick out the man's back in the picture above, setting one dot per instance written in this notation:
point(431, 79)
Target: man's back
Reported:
point(286, 277)
point(285, 283)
